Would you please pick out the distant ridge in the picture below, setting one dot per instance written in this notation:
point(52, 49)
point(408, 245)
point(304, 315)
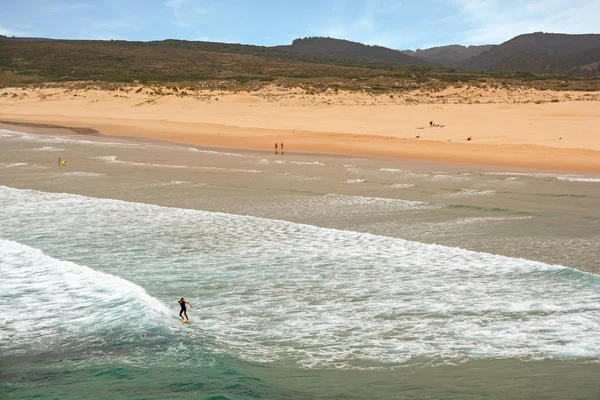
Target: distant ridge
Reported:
point(24, 39)
point(537, 52)
point(566, 62)
point(449, 56)
point(350, 50)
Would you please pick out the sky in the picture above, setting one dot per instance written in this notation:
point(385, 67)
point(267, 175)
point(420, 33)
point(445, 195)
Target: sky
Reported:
point(397, 24)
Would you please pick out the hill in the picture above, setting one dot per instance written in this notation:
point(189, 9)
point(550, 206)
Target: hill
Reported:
point(588, 60)
point(450, 56)
point(350, 50)
point(528, 53)
point(225, 66)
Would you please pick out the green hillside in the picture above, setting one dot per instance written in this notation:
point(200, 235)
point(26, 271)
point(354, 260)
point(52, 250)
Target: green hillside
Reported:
point(238, 67)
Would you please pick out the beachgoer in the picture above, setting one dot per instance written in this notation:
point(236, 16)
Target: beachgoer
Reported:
point(469, 138)
point(59, 161)
point(430, 123)
point(182, 303)
point(275, 147)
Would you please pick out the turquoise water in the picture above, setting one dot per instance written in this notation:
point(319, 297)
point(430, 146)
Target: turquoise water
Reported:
point(89, 294)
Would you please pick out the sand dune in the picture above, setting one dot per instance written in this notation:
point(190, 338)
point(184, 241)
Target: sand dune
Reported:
point(516, 127)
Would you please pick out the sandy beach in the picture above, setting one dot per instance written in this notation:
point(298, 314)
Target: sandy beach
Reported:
point(517, 127)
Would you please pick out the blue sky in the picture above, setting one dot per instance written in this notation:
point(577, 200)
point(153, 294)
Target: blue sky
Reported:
point(395, 24)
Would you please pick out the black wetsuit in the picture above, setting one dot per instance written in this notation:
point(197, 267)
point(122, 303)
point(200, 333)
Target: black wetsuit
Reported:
point(183, 309)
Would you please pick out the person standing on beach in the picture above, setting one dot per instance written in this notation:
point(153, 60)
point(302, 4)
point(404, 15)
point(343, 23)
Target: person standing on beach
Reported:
point(275, 147)
point(281, 147)
point(183, 311)
point(59, 161)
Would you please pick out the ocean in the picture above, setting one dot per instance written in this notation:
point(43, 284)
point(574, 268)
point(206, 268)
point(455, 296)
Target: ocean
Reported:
point(311, 277)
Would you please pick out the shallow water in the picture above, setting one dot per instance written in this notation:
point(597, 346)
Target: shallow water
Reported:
point(326, 288)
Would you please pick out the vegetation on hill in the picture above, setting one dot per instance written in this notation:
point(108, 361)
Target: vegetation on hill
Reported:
point(449, 56)
point(350, 50)
point(242, 67)
point(551, 62)
point(521, 53)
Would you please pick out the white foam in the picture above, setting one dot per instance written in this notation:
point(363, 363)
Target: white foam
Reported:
point(472, 192)
point(219, 153)
point(307, 163)
point(400, 204)
point(355, 180)
point(391, 170)
point(7, 133)
point(303, 177)
point(49, 302)
point(106, 158)
point(578, 179)
point(113, 159)
point(453, 224)
point(251, 171)
point(531, 174)
point(299, 162)
point(46, 148)
point(82, 174)
point(13, 165)
point(177, 183)
point(400, 185)
point(445, 177)
point(560, 177)
point(320, 298)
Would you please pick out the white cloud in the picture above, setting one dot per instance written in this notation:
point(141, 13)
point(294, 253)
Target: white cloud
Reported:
point(495, 21)
point(175, 6)
point(63, 7)
point(467, 22)
point(184, 11)
point(369, 26)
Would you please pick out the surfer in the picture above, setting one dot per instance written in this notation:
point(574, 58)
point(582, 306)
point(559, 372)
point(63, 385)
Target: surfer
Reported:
point(182, 303)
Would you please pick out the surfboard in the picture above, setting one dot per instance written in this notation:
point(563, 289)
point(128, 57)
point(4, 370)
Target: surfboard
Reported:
point(185, 321)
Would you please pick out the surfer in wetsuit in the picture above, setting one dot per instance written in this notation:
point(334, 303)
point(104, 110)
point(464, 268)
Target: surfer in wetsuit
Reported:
point(182, 303)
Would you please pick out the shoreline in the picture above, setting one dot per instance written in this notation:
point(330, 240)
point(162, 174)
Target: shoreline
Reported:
point(511, 156)
point(559, 136)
